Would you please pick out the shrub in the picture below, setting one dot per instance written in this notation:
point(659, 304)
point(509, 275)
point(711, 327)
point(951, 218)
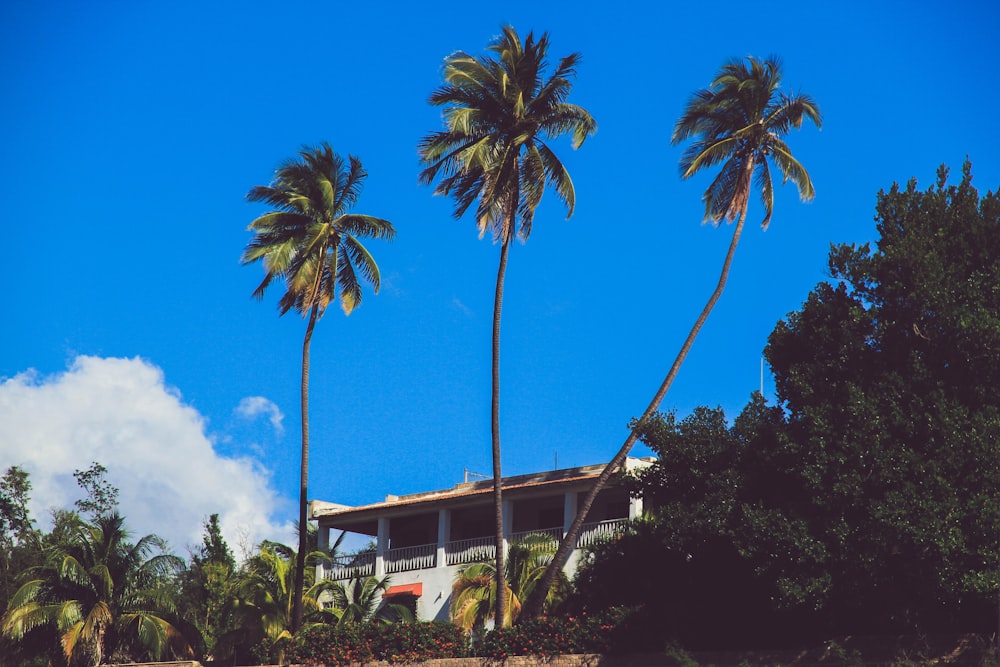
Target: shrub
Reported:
point(365, 642)
point(601, 633)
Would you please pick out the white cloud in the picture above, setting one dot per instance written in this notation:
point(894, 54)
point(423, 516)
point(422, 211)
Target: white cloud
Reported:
point(252, 406)
point(461, 307)
point(120, 413)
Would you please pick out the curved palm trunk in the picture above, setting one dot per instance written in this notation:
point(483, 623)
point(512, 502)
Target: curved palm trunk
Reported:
point(300, 557)
point(501, 583)
point(533, 605)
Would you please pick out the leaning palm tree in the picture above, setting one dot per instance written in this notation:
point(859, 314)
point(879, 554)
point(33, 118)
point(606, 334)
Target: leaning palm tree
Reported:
point(499, 112)
point(312, 242)
point(474, 589)
point(104, 597)
point(737, 122)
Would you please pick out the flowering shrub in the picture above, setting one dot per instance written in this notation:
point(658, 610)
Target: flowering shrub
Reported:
point(364, 642)
point(601, 633)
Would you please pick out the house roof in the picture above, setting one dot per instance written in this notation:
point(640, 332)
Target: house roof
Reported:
point(332, 514)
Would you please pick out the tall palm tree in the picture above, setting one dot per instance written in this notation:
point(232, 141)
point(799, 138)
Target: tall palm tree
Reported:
point(104, 596)
point(474, 589)
point(737, 122)
point(499, 113)
point(312, 242)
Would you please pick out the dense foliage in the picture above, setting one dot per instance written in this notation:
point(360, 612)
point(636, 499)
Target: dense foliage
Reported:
point(603, 633)
point(394, 643)
point(868, 501)
point(103, 595)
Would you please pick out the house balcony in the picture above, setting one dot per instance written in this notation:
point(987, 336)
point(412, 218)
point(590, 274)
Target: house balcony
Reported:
point(457, 552)
point(420, 541)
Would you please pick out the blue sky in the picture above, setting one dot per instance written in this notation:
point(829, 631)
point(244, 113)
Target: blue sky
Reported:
point(131, 132)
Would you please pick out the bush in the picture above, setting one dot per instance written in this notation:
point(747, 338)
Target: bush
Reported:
point(365, 642)
point(602, 633)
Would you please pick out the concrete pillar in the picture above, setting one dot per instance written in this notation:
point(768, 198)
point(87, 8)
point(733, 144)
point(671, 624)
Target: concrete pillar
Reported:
point(381, 546)
point(444, 535)
point(508, 523)
point(323, 534)
point(569, 509)
point(634, 508)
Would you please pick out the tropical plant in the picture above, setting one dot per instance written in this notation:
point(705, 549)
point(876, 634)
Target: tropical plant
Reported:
point(103, 596)
point(263, 606)
point(359, 600)
point(474, 589)
point(499, 112)
point(312, 242)
point(737, 122)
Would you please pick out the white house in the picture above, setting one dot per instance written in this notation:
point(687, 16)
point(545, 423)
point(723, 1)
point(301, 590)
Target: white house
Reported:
point(424, 538)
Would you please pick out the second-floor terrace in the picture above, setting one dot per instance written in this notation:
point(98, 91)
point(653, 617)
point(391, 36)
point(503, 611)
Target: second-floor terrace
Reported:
point(452, 527)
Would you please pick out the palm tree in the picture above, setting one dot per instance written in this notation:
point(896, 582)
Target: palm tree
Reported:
point(311, 240)
point(474, 589)
point(359, 601)
point(499, 112)
point(264, 604)
point(738, 122)
point(103, 596)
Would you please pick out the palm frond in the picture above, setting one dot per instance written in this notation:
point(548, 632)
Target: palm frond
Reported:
point(299, 243)
point(763, 182)
point(738, 122)
point(496, 108)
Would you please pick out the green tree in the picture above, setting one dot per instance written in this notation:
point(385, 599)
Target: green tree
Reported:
point(20, 549)
point(208, 585)
point(737, 122)
point(474, 590)
point(102, 496)
point(867, 502)
point(726, 552)
point(105, 597)
point(499, 113)
point(16, 523)
point(891, 380)
point(312, 241)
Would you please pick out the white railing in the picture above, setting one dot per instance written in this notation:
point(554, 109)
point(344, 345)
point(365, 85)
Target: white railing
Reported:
point(601, 531)
point(411, 558)
point(351, 567)
point(469, 551)
point(459, 552)
point(555, 533)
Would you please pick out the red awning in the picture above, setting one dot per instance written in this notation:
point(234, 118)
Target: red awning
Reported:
point(406, 589)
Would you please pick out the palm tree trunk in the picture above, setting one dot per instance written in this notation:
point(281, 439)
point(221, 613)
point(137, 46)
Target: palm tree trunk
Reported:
point(501, 583)
point(533, 606)
point(300, 557)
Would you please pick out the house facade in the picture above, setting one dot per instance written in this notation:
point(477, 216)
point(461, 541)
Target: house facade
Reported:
point(421, 540)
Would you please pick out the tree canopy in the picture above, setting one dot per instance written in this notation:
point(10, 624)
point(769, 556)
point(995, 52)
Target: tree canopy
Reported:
point(867, 500)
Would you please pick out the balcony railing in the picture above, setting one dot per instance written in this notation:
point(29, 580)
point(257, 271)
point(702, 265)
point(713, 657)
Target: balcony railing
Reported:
point(411, 558)
point(351, 567)
point(460, 552)
point(601, 531)
point(555, 533)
